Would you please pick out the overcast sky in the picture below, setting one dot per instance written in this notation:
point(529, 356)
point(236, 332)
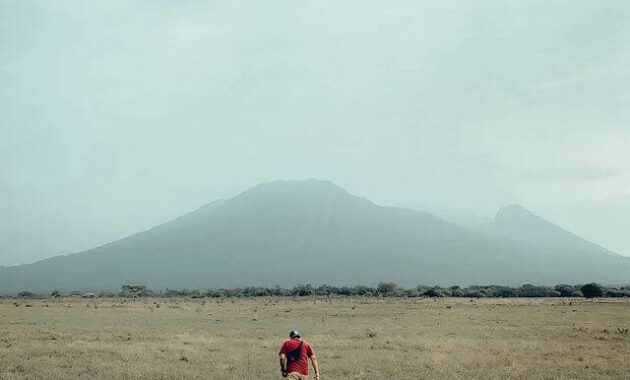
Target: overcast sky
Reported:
point(116, 116)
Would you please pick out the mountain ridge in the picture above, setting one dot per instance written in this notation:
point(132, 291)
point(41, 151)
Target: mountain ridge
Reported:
point(520, 224)
point(288, 232)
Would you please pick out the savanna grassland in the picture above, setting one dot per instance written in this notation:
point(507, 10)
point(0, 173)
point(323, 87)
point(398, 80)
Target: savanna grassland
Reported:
point(355, 338)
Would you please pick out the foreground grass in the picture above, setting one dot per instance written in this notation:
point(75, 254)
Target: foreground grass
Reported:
point(355, 338)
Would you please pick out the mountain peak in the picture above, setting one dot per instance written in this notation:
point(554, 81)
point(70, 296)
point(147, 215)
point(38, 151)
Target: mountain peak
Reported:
point(309, 188)
point(311, 183)
point(512, 212)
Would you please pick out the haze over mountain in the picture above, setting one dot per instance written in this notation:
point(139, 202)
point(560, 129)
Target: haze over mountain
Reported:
point(139, 108)
point(463, 218)
point(285, 233)
point(517, 223)
point(613, 216)
point(521, 225)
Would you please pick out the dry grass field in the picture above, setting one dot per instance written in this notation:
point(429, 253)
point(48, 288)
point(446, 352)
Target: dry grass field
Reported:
point(354, 338)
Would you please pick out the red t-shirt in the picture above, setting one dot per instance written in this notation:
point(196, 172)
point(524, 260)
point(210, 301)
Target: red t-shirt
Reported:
point(300, 365)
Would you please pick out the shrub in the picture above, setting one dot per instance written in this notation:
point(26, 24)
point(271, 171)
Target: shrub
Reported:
point(280, 292)
point(411, 293)
point(436, 291)
point(616, 293)
point(362, 290)
point(303, 290)
point(104, 294)
point(567, 290)
point(592, 290)
point(386, 289)
point(135, 290)
point(26, 294)
point(326, 290)
point(504, 291)
point(253, 291)
point(474, 293)
point(422, 289)
point(456, 291)
point(529, 290)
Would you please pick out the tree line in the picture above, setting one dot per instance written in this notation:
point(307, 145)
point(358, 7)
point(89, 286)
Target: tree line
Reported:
point(383, 289)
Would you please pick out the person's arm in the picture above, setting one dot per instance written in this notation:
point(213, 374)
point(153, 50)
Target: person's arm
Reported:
point(283, 365)
point(315, 367)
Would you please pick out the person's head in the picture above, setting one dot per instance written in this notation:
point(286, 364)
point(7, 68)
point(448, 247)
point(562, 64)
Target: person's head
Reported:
point(294, 334)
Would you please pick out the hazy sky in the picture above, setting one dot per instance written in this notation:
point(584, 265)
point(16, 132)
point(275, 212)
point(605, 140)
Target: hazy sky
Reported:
point(118, 115)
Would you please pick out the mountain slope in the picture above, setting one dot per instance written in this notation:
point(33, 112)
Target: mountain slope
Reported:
point(311, 232)
point(519, 224)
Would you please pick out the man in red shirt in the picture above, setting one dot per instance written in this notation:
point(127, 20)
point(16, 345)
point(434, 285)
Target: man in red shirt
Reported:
point(294, 356)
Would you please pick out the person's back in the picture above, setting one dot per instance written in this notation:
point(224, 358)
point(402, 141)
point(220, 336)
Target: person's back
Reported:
point(294, 355)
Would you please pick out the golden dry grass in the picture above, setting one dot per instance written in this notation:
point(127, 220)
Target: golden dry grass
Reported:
point(354, 338)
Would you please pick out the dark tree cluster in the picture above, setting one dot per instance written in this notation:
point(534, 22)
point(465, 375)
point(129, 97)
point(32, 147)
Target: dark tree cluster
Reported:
point(384, 289)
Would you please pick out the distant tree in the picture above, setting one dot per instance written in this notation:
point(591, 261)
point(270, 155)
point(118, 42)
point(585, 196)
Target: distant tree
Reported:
point(503, 292)
point(326, 290)
point(413, 292)
point(362, 290)
point(254, 291)
point(436, 291)
point(386, 289)
point(529, 290)
point(55, 293)
point(456, 291)
point(135, 290)
point(616, 293)
point(473, 293)
point(303, 290)
point(592, 290)
point(345, 291)
point(281, 292)
point(565, 290)
point(422, 290)
point(26, 294)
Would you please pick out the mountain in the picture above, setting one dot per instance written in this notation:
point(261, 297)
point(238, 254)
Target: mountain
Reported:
point(604, 221)
point(284, 233)
point(519, 224)
point(459, 217)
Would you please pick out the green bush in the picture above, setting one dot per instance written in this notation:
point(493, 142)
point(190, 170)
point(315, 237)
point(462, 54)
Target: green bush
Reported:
point(567, 290)
point(616, 293)
point(456, 291)
point(436, 291)
point(529, 290)
point(303, 290)
point(592, 290)
point(474, 294)
point(413, 292)
point(386, 289)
